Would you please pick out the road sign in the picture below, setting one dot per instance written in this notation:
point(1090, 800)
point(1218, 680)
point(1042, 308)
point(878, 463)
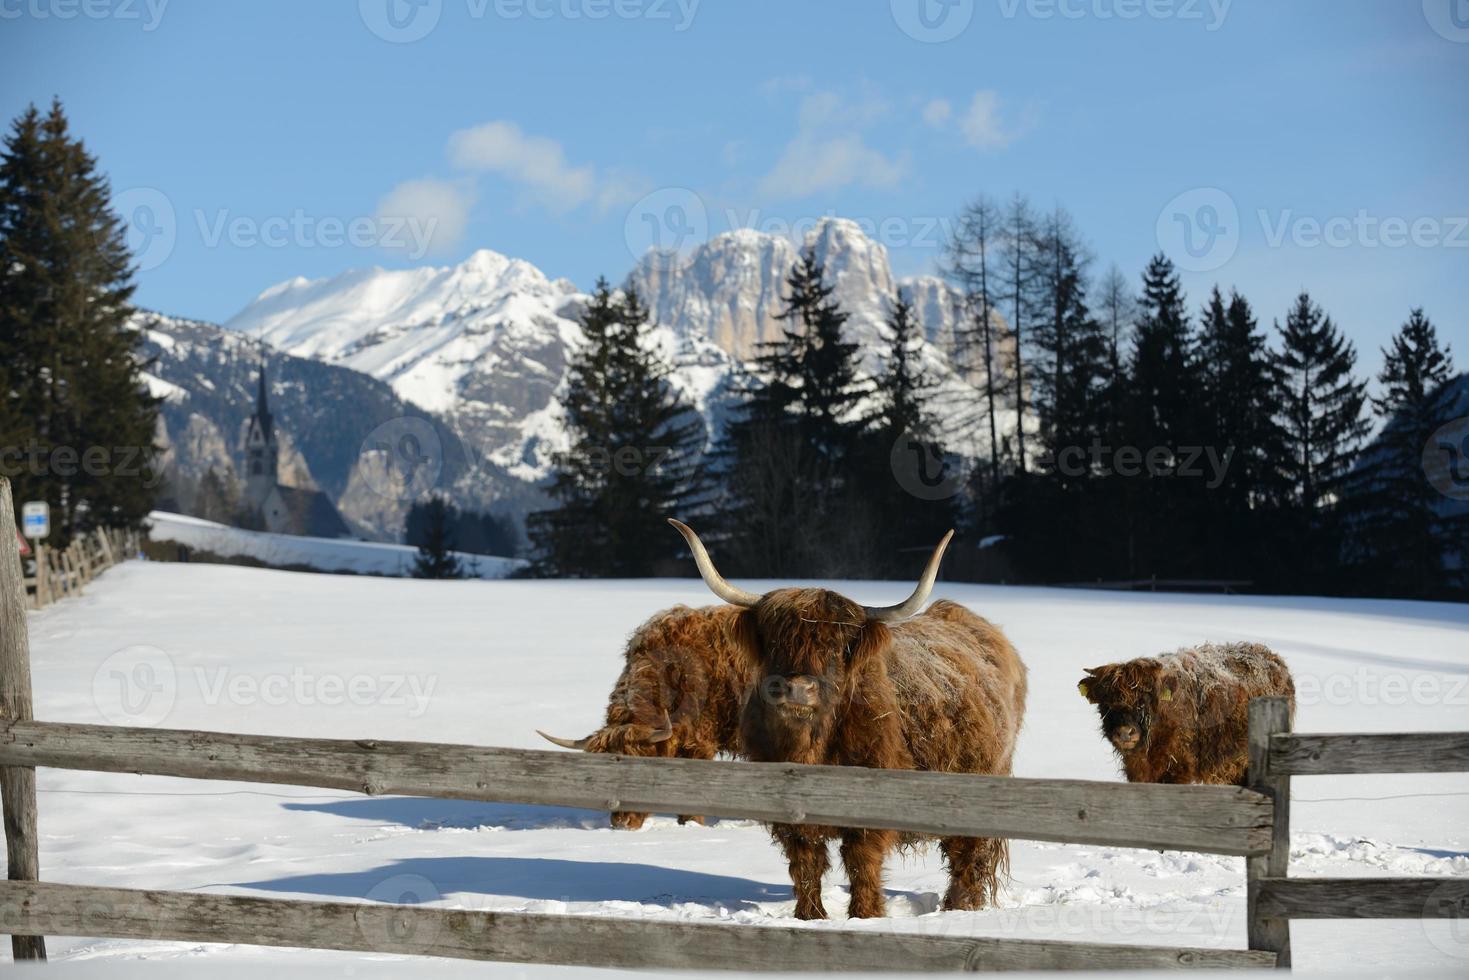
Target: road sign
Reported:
point(35, 519)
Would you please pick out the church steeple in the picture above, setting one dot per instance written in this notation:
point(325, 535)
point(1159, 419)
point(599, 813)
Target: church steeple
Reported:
point(261, 452)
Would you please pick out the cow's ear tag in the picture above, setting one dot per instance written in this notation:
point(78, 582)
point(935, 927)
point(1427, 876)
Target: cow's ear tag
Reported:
point(1082, 688)
point(1165, 695)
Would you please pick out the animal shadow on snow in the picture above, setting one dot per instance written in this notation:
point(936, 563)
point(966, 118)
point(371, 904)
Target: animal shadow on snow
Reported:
point(416, 881)
point(429, 814)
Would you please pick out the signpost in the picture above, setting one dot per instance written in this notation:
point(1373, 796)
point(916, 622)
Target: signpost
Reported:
point(35, 521)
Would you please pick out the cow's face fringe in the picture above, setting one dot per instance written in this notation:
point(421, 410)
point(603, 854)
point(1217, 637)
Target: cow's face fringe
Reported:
point(807, 649)
point(1126, 696)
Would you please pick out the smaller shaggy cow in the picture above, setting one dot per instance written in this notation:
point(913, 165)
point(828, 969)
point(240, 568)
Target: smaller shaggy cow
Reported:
point(678, 695)
point(1184, 717)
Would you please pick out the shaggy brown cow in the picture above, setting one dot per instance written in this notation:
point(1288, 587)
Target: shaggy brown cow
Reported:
point(843, 684)
point(1184, 717)
point(678, 695)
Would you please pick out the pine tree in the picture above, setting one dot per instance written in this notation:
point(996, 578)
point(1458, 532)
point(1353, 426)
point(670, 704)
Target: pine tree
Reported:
point(1324, 426)
point(1165, 379)
point(1069, 368)
point(436, 558)
point(1400, 535)
point(791, 453)
point(71, 388)
point(636, 454)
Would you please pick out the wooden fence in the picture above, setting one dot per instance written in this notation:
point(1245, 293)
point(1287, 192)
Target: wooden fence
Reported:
point(61, 573)
point(1252, 822)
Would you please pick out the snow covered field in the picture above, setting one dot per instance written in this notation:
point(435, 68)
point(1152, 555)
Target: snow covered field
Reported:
point(249, 650)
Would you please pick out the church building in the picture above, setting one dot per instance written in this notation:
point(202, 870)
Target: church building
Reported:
point(284, 510)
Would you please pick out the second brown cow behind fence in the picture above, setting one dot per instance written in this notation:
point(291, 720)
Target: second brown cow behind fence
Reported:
point(1184, 717)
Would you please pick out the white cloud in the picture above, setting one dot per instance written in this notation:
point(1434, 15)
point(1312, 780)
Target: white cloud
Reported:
point(424, 216)
point(829, 150)
point(981, 123)
point(937, 113)
point(538, 164)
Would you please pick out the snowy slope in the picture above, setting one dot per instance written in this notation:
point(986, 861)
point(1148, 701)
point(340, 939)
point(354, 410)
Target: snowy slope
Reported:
point(321, 554)
point(487, 662)
point(486, 342)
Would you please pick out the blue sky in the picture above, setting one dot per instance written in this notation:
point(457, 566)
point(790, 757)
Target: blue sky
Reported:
point(1267, 145)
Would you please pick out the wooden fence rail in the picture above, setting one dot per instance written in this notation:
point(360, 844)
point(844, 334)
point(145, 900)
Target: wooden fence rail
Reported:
point(1252, 821)
point(1214, 819)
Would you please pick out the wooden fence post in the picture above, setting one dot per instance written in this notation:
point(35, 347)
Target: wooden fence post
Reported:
point(17, 783)
point(43, 577)
point(1269, 716)
point(106, 547)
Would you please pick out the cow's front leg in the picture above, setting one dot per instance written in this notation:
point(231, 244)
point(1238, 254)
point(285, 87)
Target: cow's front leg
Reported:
point(808, 860)
point(863, 852)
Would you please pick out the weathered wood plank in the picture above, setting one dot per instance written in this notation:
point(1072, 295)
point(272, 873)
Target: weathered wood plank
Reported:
point(1326, 754)
point(514, 937)
point(1268, 717)
point(1216, 819)
point(1365, 898)
point(17, 783)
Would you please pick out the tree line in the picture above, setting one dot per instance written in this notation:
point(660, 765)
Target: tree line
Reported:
point(1125, 434)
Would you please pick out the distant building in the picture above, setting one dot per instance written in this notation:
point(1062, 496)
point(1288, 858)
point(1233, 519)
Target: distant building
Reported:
point(283, 510)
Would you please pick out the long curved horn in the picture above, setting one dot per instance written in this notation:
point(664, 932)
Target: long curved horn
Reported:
point(729, 593)
point(580, 744)
point(909, 607)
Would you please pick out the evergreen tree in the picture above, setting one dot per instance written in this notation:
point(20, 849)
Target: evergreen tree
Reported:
point(636, 451)
point(436, 558)
point(901, 395)
point(1401, 536)
point(791, 455)
point(1323, 426)
point(71, 388)
point(1069, 368)
point(1165, 380)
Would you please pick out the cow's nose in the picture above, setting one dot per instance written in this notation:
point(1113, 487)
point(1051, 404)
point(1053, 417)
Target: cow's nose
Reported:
point(802, 691)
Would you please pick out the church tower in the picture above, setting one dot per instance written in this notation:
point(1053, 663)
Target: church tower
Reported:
point(260, 449)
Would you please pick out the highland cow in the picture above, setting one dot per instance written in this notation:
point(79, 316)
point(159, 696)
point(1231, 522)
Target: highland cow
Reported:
point(678, 696)
point(885, 688)
point(1184, 717)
